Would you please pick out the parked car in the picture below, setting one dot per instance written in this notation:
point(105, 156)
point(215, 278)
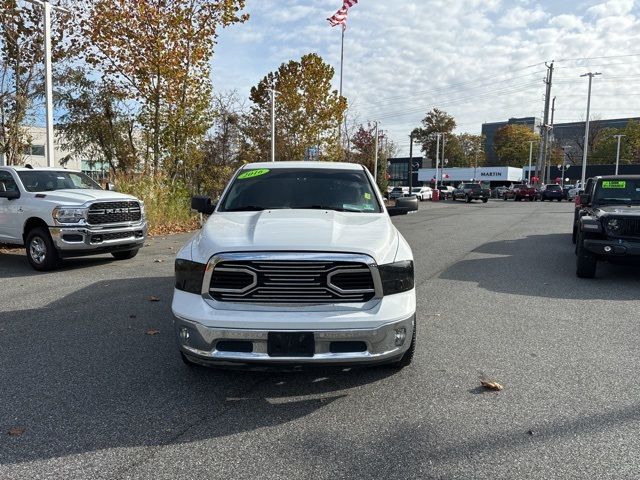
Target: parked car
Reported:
point(608, 224)
point(298, 263)
point(520, 192)
point(498, 192)
point(422, 193)
point(446, 192)
point(398, 192)
point(578, 207)
point(58, 213)
point(565, 192)
point(471, 191)
point(551, 193)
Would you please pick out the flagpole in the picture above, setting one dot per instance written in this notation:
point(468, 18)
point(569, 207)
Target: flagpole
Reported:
point(344, 27)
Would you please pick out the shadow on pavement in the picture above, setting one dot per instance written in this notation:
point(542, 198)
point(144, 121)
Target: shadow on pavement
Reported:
point(82, 375)
point(542, 266)
point(14, 264)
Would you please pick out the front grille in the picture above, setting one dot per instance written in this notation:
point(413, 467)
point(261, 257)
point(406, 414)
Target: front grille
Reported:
point(114, 212)
point(630, 228)
point(104, 237)
point(291, 282)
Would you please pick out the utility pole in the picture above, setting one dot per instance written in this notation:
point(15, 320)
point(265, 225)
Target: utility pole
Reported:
point(273, 123)
point(544, 132)
point(437, 157)
point(375, 158)
point(585, 148)
point(410, 161)
point(531, 142)
point(444, 140)
point(619, 137)
point(547, 160)
point(48, 75)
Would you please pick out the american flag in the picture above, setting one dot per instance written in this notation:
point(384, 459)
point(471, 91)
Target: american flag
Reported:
point(340, 17)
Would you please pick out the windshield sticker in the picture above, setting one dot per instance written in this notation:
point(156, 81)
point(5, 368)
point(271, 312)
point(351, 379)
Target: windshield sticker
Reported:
point(614, 184)
point(253, 173)
point(367, 196)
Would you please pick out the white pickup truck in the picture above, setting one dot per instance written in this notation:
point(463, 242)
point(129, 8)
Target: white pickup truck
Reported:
point(298, 263)
point(58, 213)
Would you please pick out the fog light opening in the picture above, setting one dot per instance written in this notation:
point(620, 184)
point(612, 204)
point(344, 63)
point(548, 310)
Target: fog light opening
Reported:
point(184, 334)
point(608, 249)
point(401, 335)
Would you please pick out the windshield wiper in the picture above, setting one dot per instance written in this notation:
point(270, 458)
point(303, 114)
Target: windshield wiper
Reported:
point(324, 207)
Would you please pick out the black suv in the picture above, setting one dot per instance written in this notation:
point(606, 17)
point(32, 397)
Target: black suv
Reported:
point(551, 192)
point(608, 223)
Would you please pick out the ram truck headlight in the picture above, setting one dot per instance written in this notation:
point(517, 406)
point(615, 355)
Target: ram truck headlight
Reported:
point(189, 275)
point(69, 214)
point(396, 277)
point(142, 209)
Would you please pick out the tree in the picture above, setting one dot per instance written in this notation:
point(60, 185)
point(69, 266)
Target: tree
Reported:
point(606, 145)
point(363, 141)
point(465, 150)
point(511, 144)
point(159, 53)
point(96, 123)
point(436, 121)
point(308, 112)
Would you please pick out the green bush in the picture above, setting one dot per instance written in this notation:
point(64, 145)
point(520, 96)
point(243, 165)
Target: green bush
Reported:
point(167, 202)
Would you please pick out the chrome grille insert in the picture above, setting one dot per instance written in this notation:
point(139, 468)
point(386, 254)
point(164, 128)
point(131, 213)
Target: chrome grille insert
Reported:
point(114, 212)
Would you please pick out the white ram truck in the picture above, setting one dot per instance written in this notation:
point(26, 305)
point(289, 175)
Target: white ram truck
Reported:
point(298, 263)
point(58, 213)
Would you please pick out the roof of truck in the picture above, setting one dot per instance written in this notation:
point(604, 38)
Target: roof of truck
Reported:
point(331, 165)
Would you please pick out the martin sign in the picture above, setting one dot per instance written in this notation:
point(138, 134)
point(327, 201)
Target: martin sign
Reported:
point(489, 174)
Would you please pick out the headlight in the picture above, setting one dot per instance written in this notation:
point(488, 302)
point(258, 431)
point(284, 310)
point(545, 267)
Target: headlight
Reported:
point(396, 277)
point(189, 276)
point(142, 208)
point(69, 214)
point(614, 225)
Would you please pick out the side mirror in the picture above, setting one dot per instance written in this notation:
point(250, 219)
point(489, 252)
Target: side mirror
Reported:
point(585, 199)
point(395, 211)
point(10, 194)
point(410, 203)
point(203, 205)
point(111, 187)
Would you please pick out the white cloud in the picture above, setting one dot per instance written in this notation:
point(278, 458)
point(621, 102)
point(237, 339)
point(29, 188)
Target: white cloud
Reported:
point(470, 57)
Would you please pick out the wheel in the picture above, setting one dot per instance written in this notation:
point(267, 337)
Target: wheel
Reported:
point(574, 235)
point(586, 262)
point(407, 358)
point(468, 199)
point(41, 252)
point(504, 198)
point(125, 255)
point(484, 200)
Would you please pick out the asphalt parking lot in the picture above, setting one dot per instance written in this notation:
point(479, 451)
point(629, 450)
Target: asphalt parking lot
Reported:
point(96, 396)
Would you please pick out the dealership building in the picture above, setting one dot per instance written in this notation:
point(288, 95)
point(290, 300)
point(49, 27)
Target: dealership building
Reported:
point(493, 175)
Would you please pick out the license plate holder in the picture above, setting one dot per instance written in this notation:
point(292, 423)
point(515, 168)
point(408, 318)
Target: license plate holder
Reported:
point(291, 344)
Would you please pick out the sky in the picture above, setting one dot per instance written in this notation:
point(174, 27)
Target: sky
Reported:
point(479, 60)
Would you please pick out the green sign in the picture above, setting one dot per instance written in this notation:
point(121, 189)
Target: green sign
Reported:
point(621, 184)
point(253, 173)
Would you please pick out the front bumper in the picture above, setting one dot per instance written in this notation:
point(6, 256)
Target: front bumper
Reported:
point(369, 346)
point(88, 239)
point(376, 328)
point(612, 248)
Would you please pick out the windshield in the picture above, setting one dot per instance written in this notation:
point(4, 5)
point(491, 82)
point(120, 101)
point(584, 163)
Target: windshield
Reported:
point(554, 187)
point(416, 189)
point(616, 192)
point(50, 180)
point(397, 189)
point(300, 188)
point(473, 186)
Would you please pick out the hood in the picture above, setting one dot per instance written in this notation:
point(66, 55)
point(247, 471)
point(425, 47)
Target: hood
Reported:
point(297, 230)
point(619, 210)
point(82, 196)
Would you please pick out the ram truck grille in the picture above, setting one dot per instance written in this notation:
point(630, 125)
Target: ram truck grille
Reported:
point(114, 212)
point(291, 282)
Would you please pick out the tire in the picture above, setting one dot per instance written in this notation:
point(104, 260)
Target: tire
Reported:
point(468, 199)
point(504, 198)
point(125, 255)
point(41, 252)
point(574, 235)
point(484, 200)
point(407, 357)
point(586, 262)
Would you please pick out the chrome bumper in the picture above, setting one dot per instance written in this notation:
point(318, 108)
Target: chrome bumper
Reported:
point(87, 239)
point(383, 344)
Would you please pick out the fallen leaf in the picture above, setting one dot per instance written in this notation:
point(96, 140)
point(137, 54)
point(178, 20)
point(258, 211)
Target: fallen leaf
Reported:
point(531, 432)
point(153, 332)
point(491, 385)
point(132, 316)
point(16, 431)
point(153, 299)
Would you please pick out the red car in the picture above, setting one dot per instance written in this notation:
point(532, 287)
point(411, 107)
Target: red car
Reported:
point(520, 192)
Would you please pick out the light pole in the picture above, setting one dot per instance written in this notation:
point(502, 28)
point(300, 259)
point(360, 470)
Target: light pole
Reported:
point(375, 158)
point(585, 149)
point(273, 123)
point(619, 137)
point(437, 156)
point(565, 162)
point(48, 75)
point(531, 142)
